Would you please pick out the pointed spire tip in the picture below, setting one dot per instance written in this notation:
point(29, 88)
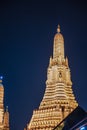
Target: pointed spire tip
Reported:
point(6, 108)
point(58, 29)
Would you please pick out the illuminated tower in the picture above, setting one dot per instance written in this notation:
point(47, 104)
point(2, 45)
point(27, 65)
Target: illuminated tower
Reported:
point(1, 104)
point(4, 116)
point(58, 100)
point(6, 119)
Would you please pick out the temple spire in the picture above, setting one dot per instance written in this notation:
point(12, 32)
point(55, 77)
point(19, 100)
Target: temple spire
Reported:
point(58, 29)
point(6, 119)
point(58, 100)
point(6, 108)
point(58, 49)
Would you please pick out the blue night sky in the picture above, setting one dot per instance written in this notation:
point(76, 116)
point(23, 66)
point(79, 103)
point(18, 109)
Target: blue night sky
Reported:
point(27, 29)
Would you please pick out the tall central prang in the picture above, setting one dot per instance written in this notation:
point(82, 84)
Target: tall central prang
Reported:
point(58, 100)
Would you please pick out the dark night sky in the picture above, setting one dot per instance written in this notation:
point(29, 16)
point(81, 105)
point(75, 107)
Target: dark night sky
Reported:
point(27, 29)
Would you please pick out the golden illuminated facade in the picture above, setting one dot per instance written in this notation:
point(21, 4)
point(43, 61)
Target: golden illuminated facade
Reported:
point(58, 100)
point(4, 116)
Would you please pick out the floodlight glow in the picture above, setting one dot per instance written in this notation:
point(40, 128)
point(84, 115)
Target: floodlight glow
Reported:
point(1, 77)
point(83, 128)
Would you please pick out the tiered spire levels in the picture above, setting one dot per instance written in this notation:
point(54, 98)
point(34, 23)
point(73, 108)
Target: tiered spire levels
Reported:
point(6, 119)
point(4, 115)
point(58, 100)
point(1, 103)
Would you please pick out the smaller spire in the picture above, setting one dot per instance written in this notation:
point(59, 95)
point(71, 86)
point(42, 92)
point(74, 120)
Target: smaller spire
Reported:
point(58, 29)
point(6, 108)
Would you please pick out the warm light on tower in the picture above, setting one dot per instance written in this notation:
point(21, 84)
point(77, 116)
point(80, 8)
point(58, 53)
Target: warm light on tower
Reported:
point(1, 102)
point(4, 116)
point(58, 100)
